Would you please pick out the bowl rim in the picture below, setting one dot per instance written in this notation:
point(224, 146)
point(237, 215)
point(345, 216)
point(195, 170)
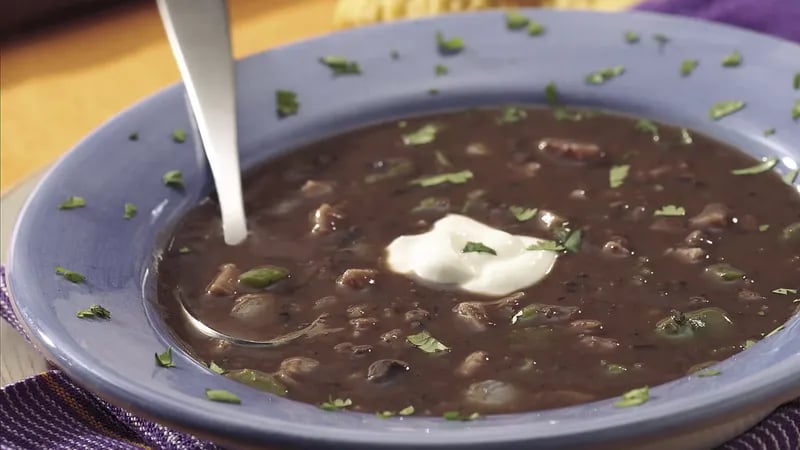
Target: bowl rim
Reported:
point(778, 384)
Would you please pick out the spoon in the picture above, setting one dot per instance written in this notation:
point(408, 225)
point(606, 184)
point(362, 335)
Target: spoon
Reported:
point(197, 31)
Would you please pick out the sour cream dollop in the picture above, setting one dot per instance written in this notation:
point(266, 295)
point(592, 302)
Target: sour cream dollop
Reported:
point(438, 257)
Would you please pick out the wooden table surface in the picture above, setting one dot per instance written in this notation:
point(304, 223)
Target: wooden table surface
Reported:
point(59, 84)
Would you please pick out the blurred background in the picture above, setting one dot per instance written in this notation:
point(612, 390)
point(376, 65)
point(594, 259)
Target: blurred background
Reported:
point(68, 65)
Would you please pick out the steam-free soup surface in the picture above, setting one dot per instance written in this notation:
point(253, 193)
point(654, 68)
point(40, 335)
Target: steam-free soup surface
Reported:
point(674, 267)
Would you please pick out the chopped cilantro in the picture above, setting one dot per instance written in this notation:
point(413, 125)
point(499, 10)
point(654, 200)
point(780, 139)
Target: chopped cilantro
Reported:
point(440, 70)
point(215, 368)
point(708, 373)
point(573, 241)
point(631, 37)
point(732, 60)
point(512, 114)
point(70, 275)
point(670, 211)
point(617, 175)
point(785, 291)
point(424, 135)
point(535, 29)
point(796, 110)
point(179, 135)
point(545, 244)
point(453, 177)
point(647, 126)
point(432, 204)
point(763, 227)
point(769, 131)
point(616, 369)
point(340, 65)
point(433, 91)
point(761, 167)
point(725, 108)
point(523, 214)
point(336, 404)
point(129, 211)
point(796, 82)
point(259, 380)
point(286, 103)
point(72, 202)
point(173, 179)
point(427, 343)
point(165, 359)
point(634, 397)
point(407, 411)
point(223, 396)
point(603, 75)
point(661, 40)
point(790, 176)
point(455, 415)
point(749, 343)
point(477, 247)
point(688, 66)
point(452, 45)
point(262, 277)
point(94, 311)
point(515, 20)
point(551, 94)
point(133, 136)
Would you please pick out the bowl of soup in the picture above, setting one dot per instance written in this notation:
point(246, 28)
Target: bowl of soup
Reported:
point(452, 244)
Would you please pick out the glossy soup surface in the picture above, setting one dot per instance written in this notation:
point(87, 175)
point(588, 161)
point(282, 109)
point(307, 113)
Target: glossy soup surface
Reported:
point(673, 267)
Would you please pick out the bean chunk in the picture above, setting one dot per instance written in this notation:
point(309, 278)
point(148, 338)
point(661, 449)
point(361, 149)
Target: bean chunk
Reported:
point(326, 218)
point(358, 278)
point(713, 216)
point(224, 283)
point(571, 151)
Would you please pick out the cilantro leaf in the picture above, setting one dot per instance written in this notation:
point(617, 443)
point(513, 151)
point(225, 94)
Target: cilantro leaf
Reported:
point(261, 277)
point(286, 103)
point(617, 175)
point(688, 66)
point(94, 311)
point(523, 214)
point(761, 167)
point(477, 247)
point(424, 135)
point(173, 179)
point(72, 202)
point(427, 343)
point(551, 94)
point(785, 291)
point(165, 359)
point(452, 45)
point(708, 373)
point(603, 75)
point(796, 110)
point(453, 177)
point(512, 114)
point(634, 397)
point(647, 126)
point(725, 108)
point(455, 415)
point(222, 396)
point(769, 131)
point(670, 211)
point(340, 65)
point(732, 60)
point(631, 37)
point(70, 275)
point(440, 70)
point(336, 404)
point(535, 29)
point(179, 135)
point(545, 244)
point(129, 211)
point(133, 136)
point(515, 20)
point(216, 368)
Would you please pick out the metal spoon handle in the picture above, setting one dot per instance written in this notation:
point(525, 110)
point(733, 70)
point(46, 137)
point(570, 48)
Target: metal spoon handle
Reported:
point(198, 34)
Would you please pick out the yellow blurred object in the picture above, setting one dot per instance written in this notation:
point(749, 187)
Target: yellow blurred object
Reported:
point(351, 13)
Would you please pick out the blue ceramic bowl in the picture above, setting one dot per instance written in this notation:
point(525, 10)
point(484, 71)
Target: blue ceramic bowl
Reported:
point(115, 358)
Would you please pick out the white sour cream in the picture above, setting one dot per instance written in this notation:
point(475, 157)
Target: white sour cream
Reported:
point(438, 257)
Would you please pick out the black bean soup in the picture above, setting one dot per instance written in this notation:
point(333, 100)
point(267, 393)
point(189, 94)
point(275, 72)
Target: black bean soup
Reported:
point(670, 258)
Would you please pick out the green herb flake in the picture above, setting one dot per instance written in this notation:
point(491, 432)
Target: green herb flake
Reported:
point(452, 45)
point(453, 178)
point(179, 135)
point(511, 114)
point(796, 82)
point(94, 312)
point(457, 416)
point(725, 272)
point(761, 167)
point(560, 113)
point(261, 277)
point(790, 176)
point(763, 228)
point(523, 214)
point(616, 369)
point(424, 135)
point(647, 126)
point(632, 37)
point(603, 75)
point(524, 314)
point(385, 414)
point(535, 29)
point(70, 275)
point(732, 60)
point(634, 397)
point(259, 380)
point(222, 396)
point(670, 211)
point(286, 103)
point(129, 211)
point(407, 411)
point(173, 179)
point(551, 94)
point(72, 202)
point(431, 204)
point(336, 404)
point(686, 137)
point(440, 70)
point(340, 65)
point(708, 373)
point(688, 66)
point(477, 247)
point(165, 359)
point(617, 175)
point(573, 241)
point(774, 332)
point(515, 20)
point(133, 136)
point(427, 343)
point(548, 245)
point(769, 132)
point(433, 91)
point(796, 110)
point(725, 108)
point(785, 291)
point(661, 40)
point(216, 368)
point(749, 343)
